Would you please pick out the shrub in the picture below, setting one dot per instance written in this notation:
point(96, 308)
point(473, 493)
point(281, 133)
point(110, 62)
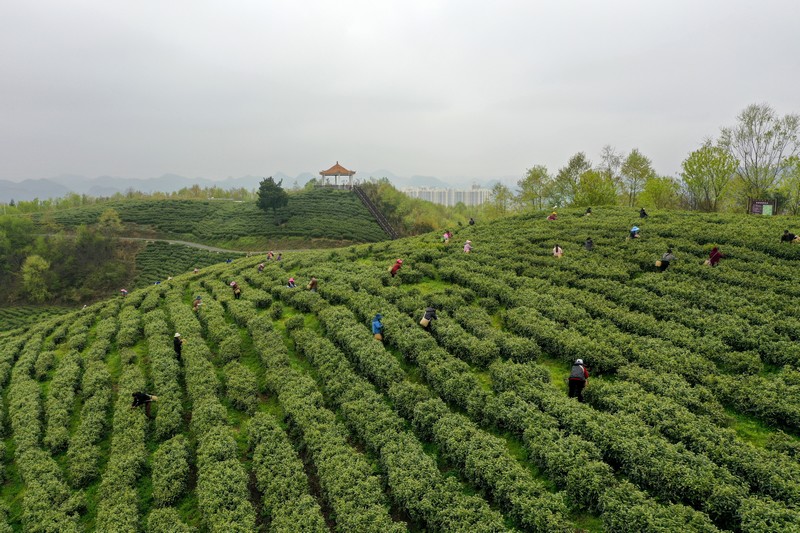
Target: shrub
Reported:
point(170, 468)
point(241, 386)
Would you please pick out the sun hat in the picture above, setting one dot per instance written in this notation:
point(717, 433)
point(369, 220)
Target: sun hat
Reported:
point(233, 283)
point(291, 279)
point(177, 334)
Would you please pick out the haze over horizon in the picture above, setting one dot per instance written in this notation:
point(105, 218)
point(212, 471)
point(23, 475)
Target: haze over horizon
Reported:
point(445, 88)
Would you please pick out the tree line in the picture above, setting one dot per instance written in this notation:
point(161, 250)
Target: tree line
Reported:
point(71, 200)
point(62, 268)
point(757, 158)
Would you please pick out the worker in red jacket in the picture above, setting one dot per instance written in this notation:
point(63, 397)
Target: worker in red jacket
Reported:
point(578, 377)
point(396, 267)
point(715, 256)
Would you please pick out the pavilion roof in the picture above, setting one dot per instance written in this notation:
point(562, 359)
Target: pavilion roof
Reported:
point(337, 170)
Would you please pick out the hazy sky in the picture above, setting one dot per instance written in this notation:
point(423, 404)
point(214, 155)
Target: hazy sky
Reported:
point(445, 88)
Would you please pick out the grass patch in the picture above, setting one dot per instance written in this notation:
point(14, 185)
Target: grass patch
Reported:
point(427, 286)
point(13, 490)
point(558, 372)
point(750, 429)
point(585, 521)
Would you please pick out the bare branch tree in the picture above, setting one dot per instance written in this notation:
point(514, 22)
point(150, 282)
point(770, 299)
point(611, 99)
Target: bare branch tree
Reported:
point(762, 142)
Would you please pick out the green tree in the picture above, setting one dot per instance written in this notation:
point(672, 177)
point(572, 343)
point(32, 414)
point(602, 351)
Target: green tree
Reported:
point(707, 172)
point(611, 164)
point(565, 186)
point(534, 186)
point(595, 188)
point(660, 192)
point(761, 142)
point(34, 281)
point(502, 199)
point(636, 170)
point(271, 195)
point(790, 185)
point(109, 222)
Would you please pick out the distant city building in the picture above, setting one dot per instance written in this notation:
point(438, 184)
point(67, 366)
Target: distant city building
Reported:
point(450, 197)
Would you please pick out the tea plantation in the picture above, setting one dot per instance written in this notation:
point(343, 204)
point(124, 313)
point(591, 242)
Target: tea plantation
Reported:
point(316, 218)
point(284, 414)
point(23, 315)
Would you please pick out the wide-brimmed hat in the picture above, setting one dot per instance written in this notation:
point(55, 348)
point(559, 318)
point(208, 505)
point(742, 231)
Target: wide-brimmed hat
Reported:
point(177, 334)
point(233, 283)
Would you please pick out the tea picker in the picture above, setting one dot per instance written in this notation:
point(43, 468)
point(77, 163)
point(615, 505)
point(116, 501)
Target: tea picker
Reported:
point(430, 314)
point(665, 260)
point(396, 267)
point(578, 377)
point(177, 344)
point(377, 327)
point(142, 398)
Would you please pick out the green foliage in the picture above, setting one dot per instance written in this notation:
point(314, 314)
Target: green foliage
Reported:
point(594, 189)
point(465, 425)
point(533, 188)
point(34, 278)
point(60, 400)
point(317, 218)
point(160, 260)
point(636, 170)
point(271, 195)
point(241, 386)
point(109, 222)
point(790, 185)
point(25, 315)
point(166, 520)
point(660, 192)
point(502, 199)
point(565, 185)
point(761, 142)
point(706, 173)
point(410, 216)
point(281, 479)
point(170, 467)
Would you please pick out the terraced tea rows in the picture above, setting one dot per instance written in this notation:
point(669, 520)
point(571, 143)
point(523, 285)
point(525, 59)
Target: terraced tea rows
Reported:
point(327, 216)
point(283, 413)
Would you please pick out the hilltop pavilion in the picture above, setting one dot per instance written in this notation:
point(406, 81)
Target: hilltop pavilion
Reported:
point(335, 172)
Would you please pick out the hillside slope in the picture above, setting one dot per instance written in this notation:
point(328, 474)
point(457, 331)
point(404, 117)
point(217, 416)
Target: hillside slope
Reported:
point(283, 413)
point(316, 218)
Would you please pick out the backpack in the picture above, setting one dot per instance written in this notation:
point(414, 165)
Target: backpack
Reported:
point(577, 373)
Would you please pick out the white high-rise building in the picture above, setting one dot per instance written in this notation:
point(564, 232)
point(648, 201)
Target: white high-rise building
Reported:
point(475, 195)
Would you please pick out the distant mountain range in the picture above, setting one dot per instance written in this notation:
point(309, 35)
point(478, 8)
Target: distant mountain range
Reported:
point(108, 185)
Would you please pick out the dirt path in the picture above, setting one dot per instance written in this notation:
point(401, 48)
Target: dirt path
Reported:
point(192, 245)
point(197, 245)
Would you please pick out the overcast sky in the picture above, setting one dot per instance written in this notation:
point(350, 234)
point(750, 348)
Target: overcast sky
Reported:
point(443, 88)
